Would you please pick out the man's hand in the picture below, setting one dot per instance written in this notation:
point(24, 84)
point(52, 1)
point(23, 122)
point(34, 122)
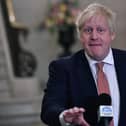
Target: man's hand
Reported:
point(75, 116)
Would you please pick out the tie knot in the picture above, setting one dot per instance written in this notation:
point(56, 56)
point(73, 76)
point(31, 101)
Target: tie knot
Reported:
point(100, 65)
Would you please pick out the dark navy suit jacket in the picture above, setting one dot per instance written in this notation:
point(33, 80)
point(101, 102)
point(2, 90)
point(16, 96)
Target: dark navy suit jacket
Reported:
point(71, 84)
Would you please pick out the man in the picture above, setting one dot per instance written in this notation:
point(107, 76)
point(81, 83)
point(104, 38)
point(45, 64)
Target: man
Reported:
point(72, 86)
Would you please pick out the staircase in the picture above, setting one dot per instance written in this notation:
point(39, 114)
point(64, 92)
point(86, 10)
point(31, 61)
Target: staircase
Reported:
point(20, 112)
point(15, 110)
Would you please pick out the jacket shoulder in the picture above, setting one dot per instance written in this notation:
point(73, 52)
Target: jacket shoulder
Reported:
point(69, 60)
point(119, 52)
point(119, 56)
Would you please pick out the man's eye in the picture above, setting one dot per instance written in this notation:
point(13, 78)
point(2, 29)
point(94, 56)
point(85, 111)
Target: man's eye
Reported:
point(100, 30)
point(88, 30)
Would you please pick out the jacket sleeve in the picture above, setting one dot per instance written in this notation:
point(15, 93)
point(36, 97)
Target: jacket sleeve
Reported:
point(55, 97)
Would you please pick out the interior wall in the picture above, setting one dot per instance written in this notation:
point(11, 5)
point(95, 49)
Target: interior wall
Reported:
point(43, 45)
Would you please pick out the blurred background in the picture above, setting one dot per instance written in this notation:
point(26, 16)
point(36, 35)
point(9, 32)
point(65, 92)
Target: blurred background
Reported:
point(33, 33)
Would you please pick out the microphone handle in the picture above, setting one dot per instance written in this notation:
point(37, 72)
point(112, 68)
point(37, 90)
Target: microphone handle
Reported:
point(104, 122)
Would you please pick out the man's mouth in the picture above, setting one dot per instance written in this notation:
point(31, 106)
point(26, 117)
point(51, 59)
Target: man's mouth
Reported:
point(95, 44)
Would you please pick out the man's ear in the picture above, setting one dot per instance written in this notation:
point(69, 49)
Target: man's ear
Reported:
point(113, 35)
point(80, 37)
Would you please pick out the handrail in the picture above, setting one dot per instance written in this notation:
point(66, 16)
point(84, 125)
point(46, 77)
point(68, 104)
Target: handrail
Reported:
point(12, 18)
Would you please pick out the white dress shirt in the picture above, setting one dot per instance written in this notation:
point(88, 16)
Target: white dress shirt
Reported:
point(109, 70)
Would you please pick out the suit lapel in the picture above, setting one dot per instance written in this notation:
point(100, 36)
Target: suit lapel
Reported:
point(86, 77)
point(120, 65)
point(84, 85)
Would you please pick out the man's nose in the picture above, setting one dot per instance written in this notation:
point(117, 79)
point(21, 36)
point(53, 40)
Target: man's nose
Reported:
point(94, 35)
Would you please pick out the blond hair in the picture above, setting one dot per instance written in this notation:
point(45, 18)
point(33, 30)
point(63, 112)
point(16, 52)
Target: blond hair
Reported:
point(93, 10)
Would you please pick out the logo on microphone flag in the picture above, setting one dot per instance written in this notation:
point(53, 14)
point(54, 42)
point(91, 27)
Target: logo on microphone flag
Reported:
point(105, 111)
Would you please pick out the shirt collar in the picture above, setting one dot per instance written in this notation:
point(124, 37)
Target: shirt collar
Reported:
point(108, 59)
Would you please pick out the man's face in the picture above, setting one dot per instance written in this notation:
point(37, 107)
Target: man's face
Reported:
point(96, 37)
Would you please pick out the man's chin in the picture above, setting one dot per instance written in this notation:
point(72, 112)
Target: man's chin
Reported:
point(97, 57)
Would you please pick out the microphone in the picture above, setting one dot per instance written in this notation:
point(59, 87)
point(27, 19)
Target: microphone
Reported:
point(105, 111)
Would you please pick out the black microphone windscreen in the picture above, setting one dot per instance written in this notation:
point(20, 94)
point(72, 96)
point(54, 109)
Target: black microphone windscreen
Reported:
point(104, 118)
point(92, 107)
point(104, 99)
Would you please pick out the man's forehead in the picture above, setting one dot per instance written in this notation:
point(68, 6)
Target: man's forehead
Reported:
point(97, 21)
